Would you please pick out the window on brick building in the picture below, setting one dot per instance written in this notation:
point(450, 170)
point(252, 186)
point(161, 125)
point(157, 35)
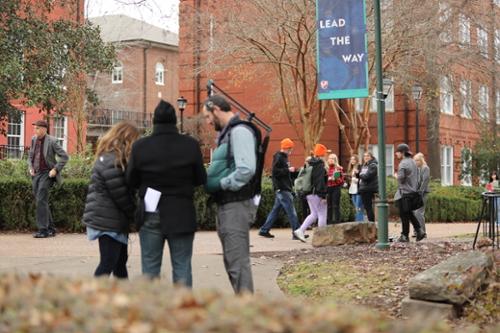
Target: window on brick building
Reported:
point(61, 131)
point(444, 18)
point(15, 136)
point(466, 173)
point(482, 41)
point(497, 45)
point(497, 106)
point(446, 165)
point(389, 156)
point(159, 74)
point(446, 96)
point(466, 102)
point(117, 74)
point(464, 30)
point(497, 2)
point(483, 102)
point(359, 103)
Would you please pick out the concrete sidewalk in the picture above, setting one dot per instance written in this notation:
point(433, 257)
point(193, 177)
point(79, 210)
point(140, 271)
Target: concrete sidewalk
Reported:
point(74, 255)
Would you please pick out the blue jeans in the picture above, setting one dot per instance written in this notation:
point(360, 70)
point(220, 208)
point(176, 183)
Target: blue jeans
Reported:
point(283, 199)
point(358, 206)
point(181, 251)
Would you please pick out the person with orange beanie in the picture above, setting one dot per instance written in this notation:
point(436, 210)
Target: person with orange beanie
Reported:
point(282, 186)
point(317, 198)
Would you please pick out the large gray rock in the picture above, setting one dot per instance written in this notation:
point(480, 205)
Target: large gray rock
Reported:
point(454, 280)
point(345, 233)
point(424, 309)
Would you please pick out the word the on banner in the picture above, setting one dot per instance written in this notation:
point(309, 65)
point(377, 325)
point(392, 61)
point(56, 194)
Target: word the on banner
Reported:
point(342, 56)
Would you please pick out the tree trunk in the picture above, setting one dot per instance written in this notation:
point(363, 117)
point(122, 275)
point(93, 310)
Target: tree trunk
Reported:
point(433, 146)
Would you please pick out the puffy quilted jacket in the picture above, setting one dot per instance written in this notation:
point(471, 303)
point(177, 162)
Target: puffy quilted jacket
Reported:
point(109, 205)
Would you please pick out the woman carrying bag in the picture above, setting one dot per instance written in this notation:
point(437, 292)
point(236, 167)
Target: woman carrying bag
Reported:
point(353, 170)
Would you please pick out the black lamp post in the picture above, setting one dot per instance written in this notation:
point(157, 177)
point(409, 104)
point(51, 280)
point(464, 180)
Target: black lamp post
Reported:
point(181, 104)
point(416, 92)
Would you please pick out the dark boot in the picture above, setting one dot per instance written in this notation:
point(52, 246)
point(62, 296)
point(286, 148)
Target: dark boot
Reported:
point(403, 239)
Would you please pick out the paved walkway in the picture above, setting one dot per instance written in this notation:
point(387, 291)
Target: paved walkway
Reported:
point(74, 255)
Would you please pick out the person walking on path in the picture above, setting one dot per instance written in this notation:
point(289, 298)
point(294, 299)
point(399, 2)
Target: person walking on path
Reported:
point(494, 186)
point(317, 198)
point(368, 183)
point(334, 187)
point(407, 178)
point(45, 170)
point(109, 208)
point(424, 176)
point(167, 166)
point(352, 171)
point(283, 189)
point(231, 184)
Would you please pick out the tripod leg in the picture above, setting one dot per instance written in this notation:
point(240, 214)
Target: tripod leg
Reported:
point(479, 224)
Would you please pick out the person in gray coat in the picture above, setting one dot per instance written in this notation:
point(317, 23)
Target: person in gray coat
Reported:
point(424, 176)
point(45, 170)
point(407, 177)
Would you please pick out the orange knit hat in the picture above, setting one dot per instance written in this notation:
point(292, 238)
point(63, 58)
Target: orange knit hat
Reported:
point(319, 150)
point(286, 143)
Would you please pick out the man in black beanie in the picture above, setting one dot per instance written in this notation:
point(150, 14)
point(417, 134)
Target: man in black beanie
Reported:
point(170, 165)
point(407, 177)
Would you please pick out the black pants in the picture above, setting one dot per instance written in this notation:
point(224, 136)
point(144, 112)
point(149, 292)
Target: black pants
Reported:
point(41, 186)
point(113, 258)
point(304, 206)
point(367, 198)
point(407, 216)
point(333, 215)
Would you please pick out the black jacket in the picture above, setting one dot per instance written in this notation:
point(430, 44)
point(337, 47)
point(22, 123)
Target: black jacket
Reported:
point(319, 177)
point(368, 177)
point(281, 174)
point(171, 163)
point(109, 205)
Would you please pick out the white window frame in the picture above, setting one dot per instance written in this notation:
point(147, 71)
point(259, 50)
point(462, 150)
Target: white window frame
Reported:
point(446, 165)
point(497, 45)
point(466, 164)
point(446, 96)
point(359, 103)
point(15, 151)
point(62, 140)
point(497, 106)
point(482, 41)
point(483, 100)
point(444, 18)
point(464, 30)
point(466, 93)
point(159, 74)
point(117, 73)
point(389, 156)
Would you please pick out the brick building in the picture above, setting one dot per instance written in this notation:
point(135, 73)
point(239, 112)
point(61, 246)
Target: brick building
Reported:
point(146, 70)
point(464, 99)
point(20, 132)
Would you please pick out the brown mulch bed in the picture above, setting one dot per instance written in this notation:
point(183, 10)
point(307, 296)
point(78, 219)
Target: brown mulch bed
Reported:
point(402, 261)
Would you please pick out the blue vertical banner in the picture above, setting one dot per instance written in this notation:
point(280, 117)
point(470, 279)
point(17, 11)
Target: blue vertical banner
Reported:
point(341, 49)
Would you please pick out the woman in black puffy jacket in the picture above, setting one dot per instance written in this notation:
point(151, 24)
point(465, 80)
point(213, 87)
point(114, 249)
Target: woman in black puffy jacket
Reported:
point(368, 183)
point(109, 207)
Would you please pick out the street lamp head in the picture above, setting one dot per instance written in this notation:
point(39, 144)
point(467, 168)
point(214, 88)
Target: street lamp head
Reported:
point(181, 103)
point(416, 92)
point(387, 85)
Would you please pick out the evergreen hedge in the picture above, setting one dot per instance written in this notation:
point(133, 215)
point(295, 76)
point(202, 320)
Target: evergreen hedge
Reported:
point(17, 209)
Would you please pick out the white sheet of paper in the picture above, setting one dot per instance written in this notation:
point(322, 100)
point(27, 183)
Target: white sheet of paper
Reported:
point(151, 199)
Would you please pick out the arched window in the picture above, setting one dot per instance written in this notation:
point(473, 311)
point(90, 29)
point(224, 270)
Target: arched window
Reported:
point(159, 74)
point(117, 74)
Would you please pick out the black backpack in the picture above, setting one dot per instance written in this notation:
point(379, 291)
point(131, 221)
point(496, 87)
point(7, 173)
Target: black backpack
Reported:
point(261, 145)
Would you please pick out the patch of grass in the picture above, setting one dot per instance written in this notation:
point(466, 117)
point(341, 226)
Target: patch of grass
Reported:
point(338, 280)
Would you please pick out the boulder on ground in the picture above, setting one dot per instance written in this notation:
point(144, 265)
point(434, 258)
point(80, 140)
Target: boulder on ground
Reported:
point(454, 280)
point(345, 233)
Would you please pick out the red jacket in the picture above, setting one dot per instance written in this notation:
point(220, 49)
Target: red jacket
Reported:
point(335, 182)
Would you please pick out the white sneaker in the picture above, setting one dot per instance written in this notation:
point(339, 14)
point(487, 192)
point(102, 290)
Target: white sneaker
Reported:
point(300, 235)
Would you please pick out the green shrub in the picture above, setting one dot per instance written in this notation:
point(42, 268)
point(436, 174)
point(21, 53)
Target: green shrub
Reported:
point(17, 208)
